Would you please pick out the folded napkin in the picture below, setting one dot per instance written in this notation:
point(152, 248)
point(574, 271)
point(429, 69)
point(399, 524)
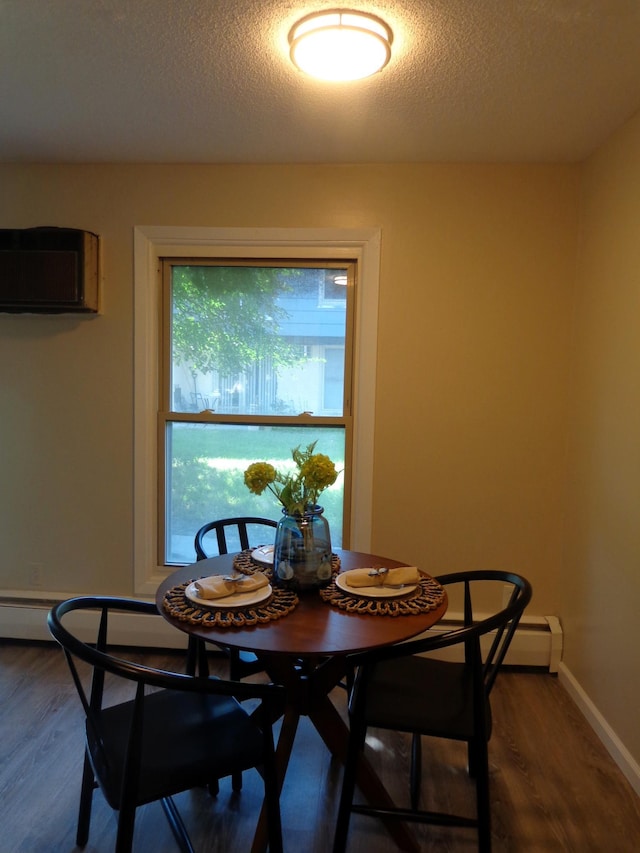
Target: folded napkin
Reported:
point(218, 587)
point(382, 577)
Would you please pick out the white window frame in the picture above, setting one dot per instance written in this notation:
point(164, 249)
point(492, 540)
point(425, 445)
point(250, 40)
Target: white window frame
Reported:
point(151, 242)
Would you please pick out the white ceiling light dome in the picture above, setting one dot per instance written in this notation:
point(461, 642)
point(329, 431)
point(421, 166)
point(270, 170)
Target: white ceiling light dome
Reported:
point(340, 44)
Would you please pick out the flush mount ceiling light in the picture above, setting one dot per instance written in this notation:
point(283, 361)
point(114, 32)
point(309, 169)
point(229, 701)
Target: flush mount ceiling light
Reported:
point(340, 44)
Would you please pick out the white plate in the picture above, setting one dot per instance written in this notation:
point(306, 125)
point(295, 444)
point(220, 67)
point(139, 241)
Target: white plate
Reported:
point(373, 591)
point(238, 599)
point(263, 555)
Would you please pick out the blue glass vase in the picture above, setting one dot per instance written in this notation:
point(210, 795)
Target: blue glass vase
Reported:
point(302, 551)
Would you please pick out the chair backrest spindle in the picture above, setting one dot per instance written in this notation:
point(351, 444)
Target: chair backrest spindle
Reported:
point(242, 525)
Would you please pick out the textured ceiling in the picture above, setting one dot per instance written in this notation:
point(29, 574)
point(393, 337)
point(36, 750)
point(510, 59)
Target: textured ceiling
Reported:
point(209, 81)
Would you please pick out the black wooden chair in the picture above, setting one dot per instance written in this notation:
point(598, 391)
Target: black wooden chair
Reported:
point(168, 733)
point(397, 688)
point(239, 534)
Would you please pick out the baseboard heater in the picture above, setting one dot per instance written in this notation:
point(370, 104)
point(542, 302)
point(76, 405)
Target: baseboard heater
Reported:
point(27, 620)
point(537, 642)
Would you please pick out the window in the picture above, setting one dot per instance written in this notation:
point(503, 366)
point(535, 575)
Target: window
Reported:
point(255, 362)
point(168, 404)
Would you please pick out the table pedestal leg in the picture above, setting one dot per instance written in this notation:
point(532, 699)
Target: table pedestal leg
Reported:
point(283, 753)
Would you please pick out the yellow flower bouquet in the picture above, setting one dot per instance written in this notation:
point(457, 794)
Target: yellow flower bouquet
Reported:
point(297, 491)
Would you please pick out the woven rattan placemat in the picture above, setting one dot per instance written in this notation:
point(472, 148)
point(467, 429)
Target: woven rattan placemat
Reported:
point(176, 604)
point(244, 562)
point(429, 595)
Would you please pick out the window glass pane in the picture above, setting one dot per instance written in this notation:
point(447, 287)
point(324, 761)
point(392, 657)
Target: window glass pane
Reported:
point(258, 340)
point(205, 476)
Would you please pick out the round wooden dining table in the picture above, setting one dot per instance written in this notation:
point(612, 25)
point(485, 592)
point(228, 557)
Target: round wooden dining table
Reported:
point(306, 650)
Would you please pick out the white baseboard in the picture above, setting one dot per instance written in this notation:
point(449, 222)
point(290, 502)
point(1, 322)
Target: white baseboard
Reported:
point(614, 746)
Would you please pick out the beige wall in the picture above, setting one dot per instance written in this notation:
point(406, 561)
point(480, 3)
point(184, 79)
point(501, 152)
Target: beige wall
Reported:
point(477, 293)
point(475, 298)
point(600, 603)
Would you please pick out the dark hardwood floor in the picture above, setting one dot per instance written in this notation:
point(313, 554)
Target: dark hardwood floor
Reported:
point(554, 787)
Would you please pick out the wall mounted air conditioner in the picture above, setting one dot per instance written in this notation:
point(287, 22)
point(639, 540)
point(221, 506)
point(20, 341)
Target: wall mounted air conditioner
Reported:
point(49, 271)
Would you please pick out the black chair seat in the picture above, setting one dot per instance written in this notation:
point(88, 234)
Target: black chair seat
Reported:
point(421, 694)
point(186, 740)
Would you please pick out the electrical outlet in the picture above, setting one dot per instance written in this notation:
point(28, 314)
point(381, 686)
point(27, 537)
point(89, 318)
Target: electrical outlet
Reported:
point(35, 575)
